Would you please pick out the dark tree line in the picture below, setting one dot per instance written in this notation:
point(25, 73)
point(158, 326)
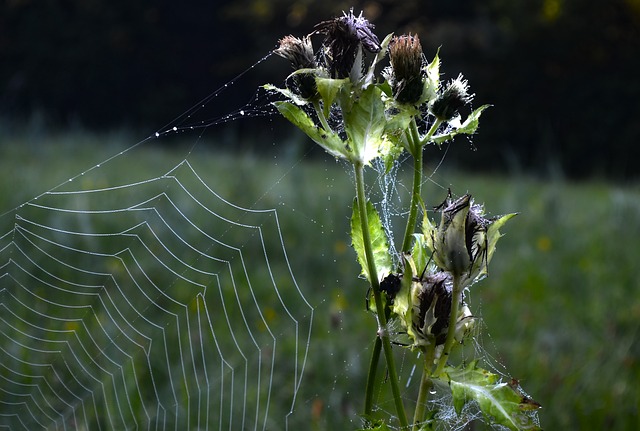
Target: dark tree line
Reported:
point(562, 74)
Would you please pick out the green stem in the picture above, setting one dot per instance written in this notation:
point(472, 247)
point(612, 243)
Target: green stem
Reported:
point(416, 144)
point(425, 386)
point(451, 331)
point(432, 130)
point(415, 193)
point(426, 383)
point(371, 377)
point(380, 312)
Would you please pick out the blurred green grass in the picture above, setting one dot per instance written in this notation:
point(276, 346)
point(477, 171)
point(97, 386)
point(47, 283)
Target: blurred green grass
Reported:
point(560, 307)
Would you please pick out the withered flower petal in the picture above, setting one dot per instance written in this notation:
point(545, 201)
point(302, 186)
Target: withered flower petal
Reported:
point(345, 36)
point(407, 75)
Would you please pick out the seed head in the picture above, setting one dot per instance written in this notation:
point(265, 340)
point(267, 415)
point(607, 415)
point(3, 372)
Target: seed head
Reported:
point(454, 96)
point(345, 38)
point(407, 76)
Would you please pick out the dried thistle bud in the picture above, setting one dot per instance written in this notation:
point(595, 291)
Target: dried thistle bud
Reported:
point(300, 53)
point(407, 76)
point(451, 252)
point(454, 96)
point(345, 38)
point(432, 308)
point(464, 242)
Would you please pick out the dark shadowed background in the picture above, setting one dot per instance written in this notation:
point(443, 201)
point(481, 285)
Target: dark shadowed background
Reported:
point(562, 74)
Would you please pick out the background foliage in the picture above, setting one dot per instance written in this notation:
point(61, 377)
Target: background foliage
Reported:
point(562, 74)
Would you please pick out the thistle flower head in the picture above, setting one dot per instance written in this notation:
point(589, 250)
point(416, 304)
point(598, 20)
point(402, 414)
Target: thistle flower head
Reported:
point(453, 97)
point(300, 53)
point(406, 75)
point(346, 36)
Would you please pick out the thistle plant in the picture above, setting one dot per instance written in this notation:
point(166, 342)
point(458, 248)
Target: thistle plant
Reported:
point(343, 98)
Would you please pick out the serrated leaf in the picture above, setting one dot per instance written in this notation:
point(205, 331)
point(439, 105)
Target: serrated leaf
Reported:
point(379, 242)
point(501, 403)
point(329, 140)
point(287, 93)
point(432, 80)
point(421, 253)
point(468, 127)
point(384, 47)
point(429, 230)
point(493, 233)
point(364, 123)
point(402, 303)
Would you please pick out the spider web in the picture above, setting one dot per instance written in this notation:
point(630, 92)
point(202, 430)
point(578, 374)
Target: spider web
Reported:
point(151, 304)
point(131, 301)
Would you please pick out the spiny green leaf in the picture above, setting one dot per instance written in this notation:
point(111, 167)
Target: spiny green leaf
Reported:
point(429, 230)
point(501, 403)
point(364, 123)
point(369, 78)
point(493, 233)
point(421, 253)
point(287, 93)
point(469, 126)
point(432, 81)
point(329, 140)
point(379, 242)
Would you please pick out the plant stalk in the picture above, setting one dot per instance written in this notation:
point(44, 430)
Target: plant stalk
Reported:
point(371, 377)
point(414, 141)
point(383, 335)
point(416, 144)
point(425, 386)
